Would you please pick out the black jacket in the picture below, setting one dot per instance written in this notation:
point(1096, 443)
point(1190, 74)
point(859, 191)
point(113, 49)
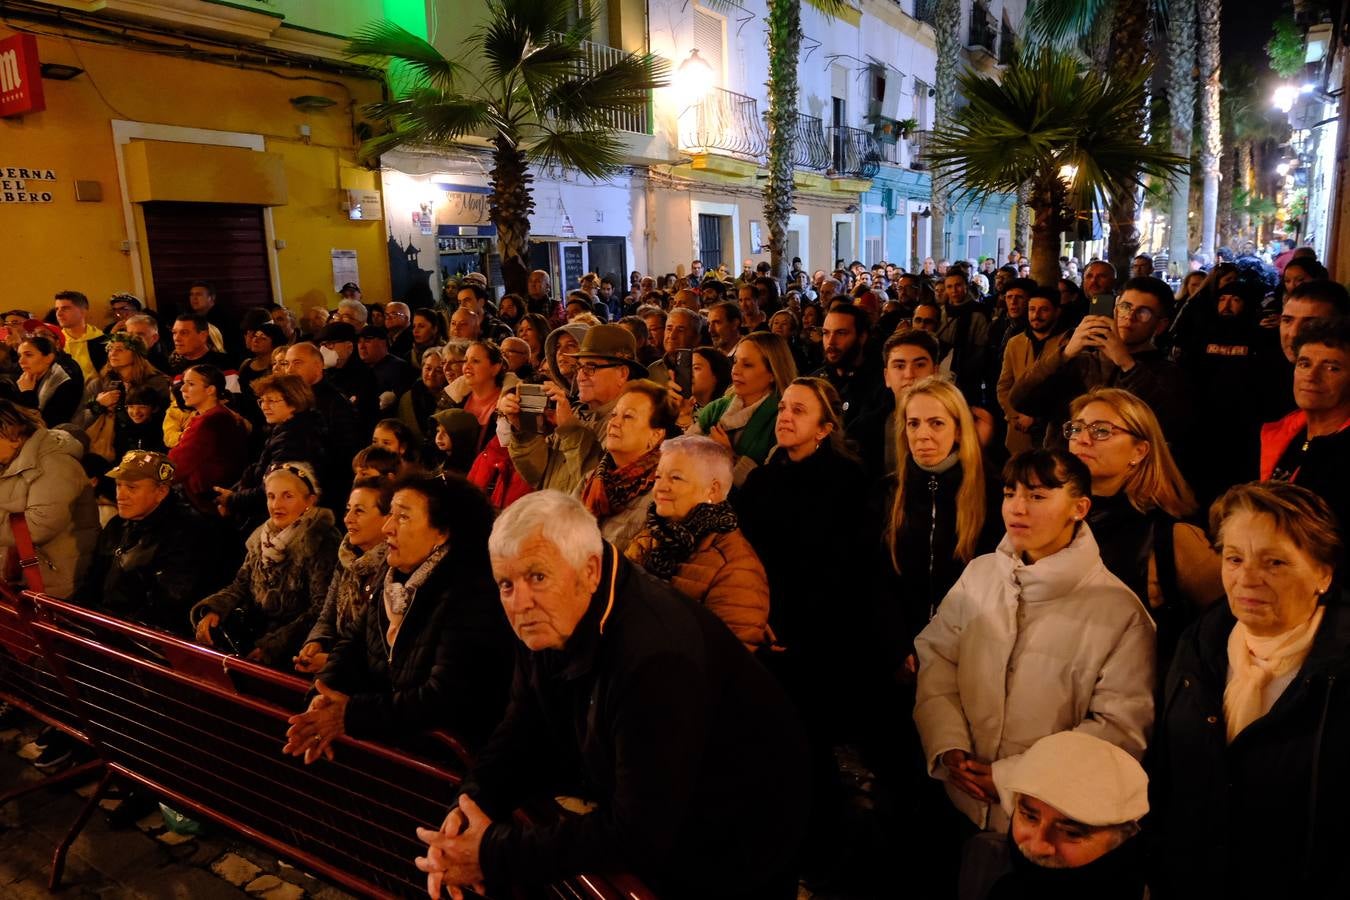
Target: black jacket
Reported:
point(344, 439)
point(449, 668)
point(302, 438)
point(655, 711)
point(1264, 816)
point(356, 382)
point(152, 570)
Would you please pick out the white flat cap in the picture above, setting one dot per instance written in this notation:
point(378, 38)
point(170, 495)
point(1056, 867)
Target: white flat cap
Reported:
point(1084, 777)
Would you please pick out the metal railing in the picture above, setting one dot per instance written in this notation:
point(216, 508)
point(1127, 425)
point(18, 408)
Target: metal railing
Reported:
point(809, 150)
point(598, 59)
point(1007, 45)
point(926, 11)
point(983, 29)
point(918, 149)
point(724, 121)
point(854, 153)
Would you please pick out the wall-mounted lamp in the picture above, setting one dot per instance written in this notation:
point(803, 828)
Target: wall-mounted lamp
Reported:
point(694, 78)
point(925, 213)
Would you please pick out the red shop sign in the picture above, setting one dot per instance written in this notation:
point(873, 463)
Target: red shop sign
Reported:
point(20, 76)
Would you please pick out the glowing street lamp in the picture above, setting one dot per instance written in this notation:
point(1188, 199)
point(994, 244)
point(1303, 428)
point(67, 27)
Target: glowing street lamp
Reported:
point(1284, 98)
point(694, 78)
point(1282, 168)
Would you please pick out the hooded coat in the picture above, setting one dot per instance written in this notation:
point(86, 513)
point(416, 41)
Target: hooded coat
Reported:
point(1018, 651)
point(46, 483)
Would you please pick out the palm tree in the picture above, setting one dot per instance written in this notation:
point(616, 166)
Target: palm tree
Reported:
point(947, 30)
point(785, 44)
point(1211, 138)
point(1067, 130)
point(524, 82)
point(1181, 103)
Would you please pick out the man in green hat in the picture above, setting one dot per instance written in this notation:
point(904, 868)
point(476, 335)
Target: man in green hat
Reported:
point(606, 362)
point(157, 556)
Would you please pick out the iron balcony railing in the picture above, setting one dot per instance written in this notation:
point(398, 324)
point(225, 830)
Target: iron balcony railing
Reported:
point(855, 153)
point(926, 11)
point(598, 59)
point(918, 149)
point(983, 29)
point(809, 150)
point(1007, 45)
point(724, 121)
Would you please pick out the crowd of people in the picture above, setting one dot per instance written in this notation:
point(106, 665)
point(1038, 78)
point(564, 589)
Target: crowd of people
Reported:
point(1057, 563)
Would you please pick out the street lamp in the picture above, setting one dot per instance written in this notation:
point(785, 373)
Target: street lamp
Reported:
point(1284, 97)
point(1068, 172)
point(1282, 168)
point(694, 78)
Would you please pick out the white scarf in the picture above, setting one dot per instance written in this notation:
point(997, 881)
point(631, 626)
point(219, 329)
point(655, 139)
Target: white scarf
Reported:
point(1254, 662)
point(398, 597)
point(274, 542)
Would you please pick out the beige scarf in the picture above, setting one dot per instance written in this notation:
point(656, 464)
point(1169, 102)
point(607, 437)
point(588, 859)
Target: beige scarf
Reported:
point(1257, 661)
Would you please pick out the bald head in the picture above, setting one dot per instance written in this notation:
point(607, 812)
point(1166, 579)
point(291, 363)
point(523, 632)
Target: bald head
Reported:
point(305, 360)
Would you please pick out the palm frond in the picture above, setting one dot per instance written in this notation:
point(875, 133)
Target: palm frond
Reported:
point(429, 116)
point(593, 153)
point(1044, 115)
point(623, 86)
point(390, 41)
point(1061, 22)
point(831, 9)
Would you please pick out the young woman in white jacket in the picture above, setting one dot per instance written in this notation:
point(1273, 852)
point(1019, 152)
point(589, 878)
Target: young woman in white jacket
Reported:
point(1035, 638)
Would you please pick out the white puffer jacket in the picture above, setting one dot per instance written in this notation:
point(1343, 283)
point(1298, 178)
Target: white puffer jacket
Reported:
point(1017, 652)
point(46, 483)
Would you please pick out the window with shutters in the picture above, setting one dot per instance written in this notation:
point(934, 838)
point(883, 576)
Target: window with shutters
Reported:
point(710, 38)
point(222, 243)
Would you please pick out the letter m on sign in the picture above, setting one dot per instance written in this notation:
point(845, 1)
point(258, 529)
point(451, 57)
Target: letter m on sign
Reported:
point(20, 76)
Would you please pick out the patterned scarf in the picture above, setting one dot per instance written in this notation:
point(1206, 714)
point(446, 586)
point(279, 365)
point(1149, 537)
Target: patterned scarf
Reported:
point(674, 541)
point(398, 597)
point(355, 585)
point(607, 489)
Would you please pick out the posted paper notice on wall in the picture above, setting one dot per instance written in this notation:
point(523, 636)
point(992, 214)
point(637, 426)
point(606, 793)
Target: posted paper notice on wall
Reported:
point(344, 269)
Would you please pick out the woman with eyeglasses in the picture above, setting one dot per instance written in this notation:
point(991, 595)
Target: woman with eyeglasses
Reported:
point(267, 611)
point(1140, 504)
point(296, 431)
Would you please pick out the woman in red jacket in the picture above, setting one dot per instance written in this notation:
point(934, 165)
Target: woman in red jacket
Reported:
point(213, 449)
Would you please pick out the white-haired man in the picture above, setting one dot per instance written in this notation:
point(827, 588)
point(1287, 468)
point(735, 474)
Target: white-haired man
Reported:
point(691, 751)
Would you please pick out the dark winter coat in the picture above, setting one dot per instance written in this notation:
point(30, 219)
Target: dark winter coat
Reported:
point(301, 438)
point(152, 570)
point(655, 711)
point(1264, 816)
point(450, 666)
point(286, 598)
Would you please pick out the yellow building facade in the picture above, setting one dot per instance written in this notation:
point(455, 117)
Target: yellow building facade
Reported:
point(190, 124)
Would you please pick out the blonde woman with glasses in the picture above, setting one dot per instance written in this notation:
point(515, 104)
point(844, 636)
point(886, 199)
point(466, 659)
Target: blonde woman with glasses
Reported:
point(1140, 504)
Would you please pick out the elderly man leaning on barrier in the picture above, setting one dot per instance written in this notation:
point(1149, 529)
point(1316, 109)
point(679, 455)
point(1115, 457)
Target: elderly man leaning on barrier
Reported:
point(690, 750)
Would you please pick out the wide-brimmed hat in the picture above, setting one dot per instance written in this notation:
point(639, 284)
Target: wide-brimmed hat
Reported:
point(613, 343)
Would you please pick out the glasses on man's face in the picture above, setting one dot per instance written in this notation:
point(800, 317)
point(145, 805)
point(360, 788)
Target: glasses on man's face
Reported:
point(1136, 313)
point(1097, 431)
point(589, 369)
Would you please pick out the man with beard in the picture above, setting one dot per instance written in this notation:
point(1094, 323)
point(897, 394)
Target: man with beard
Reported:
point(848, 365)
point(1075, 802)
point(1023, 349)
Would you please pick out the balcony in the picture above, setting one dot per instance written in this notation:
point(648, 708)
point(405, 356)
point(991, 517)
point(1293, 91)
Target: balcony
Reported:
point(1007, 45)
point(809, 150)
point(926, 11)
point(918, 150)
point(855, 153)
point(598, 59)
point(983, 30)
point(724, 122)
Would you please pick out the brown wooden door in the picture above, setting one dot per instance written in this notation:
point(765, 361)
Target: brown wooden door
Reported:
point(221, 243)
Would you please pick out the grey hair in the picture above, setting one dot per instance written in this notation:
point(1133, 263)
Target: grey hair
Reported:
point(694, 318)
point(456, 349)
point(554, 516)
point(711, 460)
point(357, 307)
point(438, 351)
point(143, 319)
point(399, 303)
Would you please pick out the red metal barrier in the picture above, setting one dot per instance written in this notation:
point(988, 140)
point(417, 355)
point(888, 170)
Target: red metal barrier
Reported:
point(204, 732)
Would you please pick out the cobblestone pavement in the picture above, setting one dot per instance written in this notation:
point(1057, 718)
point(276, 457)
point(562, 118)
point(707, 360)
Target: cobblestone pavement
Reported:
point(143, 860)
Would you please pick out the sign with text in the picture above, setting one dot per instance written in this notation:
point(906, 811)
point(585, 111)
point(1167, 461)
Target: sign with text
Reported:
point(20, 77)
point(463, 208)
point(20, 184)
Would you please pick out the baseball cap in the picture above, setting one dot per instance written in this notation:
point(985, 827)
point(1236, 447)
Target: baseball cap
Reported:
point(140, 465)
point(377, 332)
point(1084, 777)
point(349, 286)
